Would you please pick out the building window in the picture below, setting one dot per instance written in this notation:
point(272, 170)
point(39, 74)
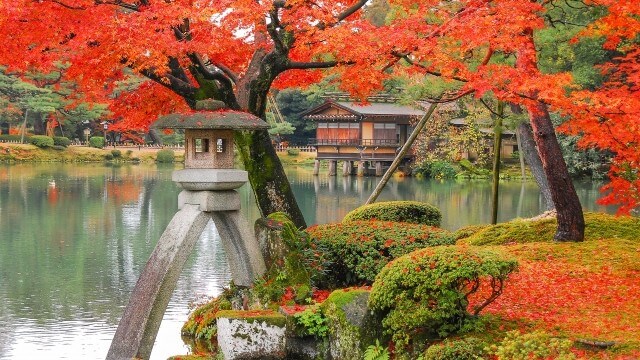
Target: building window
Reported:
point(220, 146)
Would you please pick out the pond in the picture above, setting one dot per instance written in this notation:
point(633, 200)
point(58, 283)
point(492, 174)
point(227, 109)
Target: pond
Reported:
point(74, 238)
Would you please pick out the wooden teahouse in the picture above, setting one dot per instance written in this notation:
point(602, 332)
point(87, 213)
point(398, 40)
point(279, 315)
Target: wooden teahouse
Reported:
point(370, 134)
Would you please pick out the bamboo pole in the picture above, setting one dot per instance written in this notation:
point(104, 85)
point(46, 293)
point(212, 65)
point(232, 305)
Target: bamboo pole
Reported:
point(403, 151)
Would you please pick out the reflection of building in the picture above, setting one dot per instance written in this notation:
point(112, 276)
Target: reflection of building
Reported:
point(369, 134)
point(509, 142)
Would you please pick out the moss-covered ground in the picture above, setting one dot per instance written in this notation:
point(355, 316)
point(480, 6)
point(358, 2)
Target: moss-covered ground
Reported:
point(583, 291)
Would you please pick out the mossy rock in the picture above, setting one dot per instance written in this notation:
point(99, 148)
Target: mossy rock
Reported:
point(268, 316)
point(520, 231)
point(352, 327)
point(398, 211)
point(193, 357)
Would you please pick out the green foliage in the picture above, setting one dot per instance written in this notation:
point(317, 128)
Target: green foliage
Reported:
point(165, 156)
point(289, 280)
point(97, 142)
point(461, 349)
point(597, 226)
point(281, 128)
point(117, 154)
point(313, 322)
point(425, 294)
point(42, 141)
point(61, 141)
point(436, 170)
point(108, 156)
point(357, 250)
point(293, 152)
point(376, 352)
point(397, 211)
point(530, 346)
point(14, 138)
point(292, 103)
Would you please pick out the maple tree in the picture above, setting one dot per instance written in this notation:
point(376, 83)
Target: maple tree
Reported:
point(191, 50)
point(489, 47)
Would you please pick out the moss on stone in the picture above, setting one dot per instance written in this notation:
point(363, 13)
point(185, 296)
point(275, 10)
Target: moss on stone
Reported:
point(597, 226)
point(352, 327)
point(268, 316)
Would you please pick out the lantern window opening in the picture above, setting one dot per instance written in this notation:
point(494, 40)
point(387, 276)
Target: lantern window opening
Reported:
point(201, 146)
point(221, 145)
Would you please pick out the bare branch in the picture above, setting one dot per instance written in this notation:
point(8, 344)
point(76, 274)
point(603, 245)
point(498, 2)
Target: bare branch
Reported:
point(351, 10)
point(316, 64)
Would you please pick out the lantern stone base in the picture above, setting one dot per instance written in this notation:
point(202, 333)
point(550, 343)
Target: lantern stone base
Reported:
point(210, 179)
point(225, 200)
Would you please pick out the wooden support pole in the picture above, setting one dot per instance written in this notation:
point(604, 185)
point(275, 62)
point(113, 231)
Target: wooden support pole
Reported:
point(316, 167)
point(332, 167)
point(379, 168)
point(405, 148)
point(360, 171)
point(346, 168)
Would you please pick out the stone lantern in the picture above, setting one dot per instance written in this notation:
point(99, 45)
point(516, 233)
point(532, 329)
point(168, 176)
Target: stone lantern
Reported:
point(208, 182)
point(208, 151)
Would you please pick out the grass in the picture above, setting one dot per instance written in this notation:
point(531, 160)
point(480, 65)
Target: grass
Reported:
point(16, 153)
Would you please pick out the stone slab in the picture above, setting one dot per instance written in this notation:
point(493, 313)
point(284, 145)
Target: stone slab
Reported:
point(210, 179)
point(208, 201)
point(250, 339)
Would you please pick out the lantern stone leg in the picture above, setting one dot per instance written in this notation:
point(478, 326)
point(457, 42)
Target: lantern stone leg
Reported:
point(208, 182)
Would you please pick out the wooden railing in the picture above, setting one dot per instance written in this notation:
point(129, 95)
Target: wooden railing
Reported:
point(355, 142)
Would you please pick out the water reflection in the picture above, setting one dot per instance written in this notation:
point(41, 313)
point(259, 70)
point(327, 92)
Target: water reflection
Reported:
point(73, 240)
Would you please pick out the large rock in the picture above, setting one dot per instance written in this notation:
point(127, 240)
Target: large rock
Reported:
point(352, 326)
point(251, 334)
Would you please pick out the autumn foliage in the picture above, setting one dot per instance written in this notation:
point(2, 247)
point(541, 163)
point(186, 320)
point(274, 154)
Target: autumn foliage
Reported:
point(487, 47)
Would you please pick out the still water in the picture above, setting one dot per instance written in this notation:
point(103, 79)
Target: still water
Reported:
point(73, 240)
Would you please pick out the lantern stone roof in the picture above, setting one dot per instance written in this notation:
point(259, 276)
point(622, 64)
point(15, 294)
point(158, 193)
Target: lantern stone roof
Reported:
point(219, 119)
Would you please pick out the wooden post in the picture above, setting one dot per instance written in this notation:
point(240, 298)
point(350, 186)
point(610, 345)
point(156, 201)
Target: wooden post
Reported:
point(316, 167)
point(379, 168)
point(360, 171)
point(405, 148)
point(346, 168)
point(497, 147)
point(332, 167)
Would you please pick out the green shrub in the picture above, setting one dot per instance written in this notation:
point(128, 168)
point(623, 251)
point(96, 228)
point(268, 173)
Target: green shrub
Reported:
point(357, 250)
point(425, 294)
point(117, 154)
point(290, 279)
point(13, 138)
point(108, 156)
point(461, 349)
point(531, 346)
point(312, 322)
point(96, 142)
point(597, 226)
point(128, 153)
point(42, 141)
point(397, 211)
point(165, 156)
point(58, 147)
point(436, 170)
point(61, 141)
point(293, 152)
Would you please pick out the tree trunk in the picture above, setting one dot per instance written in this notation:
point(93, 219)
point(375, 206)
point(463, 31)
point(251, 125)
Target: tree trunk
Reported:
point(563, 194)
point(530, 153)
point(267, 177)
point(497, 145)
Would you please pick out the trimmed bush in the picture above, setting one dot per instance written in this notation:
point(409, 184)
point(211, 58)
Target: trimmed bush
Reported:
point(357, 250)
point(436, 170)
point(425, 294)
point(597, 226)
point(165, 156)
point(108, 156)
point(293, 152)
point(42, 141)
point(397, 211)
point(97, 142)
point(117, 154)
point(461, 349)
point(14, 138)
point(61, 141)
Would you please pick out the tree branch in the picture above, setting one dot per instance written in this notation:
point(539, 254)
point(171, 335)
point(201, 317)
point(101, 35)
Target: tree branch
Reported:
point(173, 83)
point(351, 10)
point(315, 64)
